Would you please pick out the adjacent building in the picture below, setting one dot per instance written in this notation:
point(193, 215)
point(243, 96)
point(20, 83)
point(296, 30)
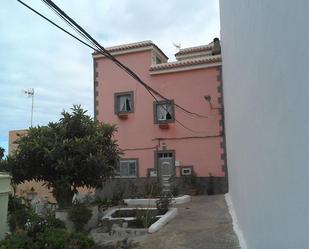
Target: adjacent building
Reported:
point(265, 71)
point(158, 138)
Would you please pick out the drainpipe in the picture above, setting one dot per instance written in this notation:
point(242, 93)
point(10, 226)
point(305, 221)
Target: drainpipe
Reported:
point(5, 189)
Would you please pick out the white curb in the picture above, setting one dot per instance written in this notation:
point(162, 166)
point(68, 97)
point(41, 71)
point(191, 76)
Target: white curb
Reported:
point(236, 227)
point(152, 202)
point(170, 214)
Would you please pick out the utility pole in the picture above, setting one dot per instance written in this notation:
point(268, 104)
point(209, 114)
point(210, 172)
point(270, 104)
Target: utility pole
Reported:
point(30, 93)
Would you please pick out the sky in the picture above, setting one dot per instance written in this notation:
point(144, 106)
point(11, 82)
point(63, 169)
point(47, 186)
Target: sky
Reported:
point(34, 54)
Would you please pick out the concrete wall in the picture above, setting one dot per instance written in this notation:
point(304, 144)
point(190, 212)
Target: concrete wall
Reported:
point(186, 88)
point(5, 188)
point(13, 135)
point(265, 75)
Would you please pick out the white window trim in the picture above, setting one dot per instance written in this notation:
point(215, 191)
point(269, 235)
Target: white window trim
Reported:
point(116, 104)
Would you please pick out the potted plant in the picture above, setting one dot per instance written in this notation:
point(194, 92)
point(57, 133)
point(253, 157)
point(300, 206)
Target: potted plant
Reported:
point(194, 184)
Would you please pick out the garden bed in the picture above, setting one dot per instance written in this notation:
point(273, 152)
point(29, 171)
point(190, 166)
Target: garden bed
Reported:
point(122, 213)
point(131, 217)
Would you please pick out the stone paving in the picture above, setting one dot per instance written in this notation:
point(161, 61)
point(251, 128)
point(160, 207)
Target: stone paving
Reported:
point(204, 223)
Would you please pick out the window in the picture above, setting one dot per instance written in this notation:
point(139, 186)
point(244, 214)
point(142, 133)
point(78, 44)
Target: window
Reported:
point(164, 111)
point(165, 155)
point(124, 102)
point(158, 60)
point(152, 172)
point(186, 170)
point(128, 168)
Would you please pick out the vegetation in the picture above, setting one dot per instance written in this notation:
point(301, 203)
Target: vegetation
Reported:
point(23, 220)
point(152, 189)
point(80, 215)
point(146, 218)
point(76, 151)
point(3, 162)
point(1, 153)
point(164, 203)
point(32, 231)
point(49, 239)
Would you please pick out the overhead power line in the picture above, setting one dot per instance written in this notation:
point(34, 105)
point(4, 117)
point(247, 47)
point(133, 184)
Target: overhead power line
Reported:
point(100, 49)
point(84, 33)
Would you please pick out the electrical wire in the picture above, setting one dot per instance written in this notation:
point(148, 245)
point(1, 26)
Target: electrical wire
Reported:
point(98, 48)
point(190, 137)
point(150, 90)
point(59, 27)
point(144, 148)
point(82, 31)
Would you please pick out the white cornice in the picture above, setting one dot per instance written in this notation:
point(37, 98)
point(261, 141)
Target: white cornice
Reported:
point(185, 68)
point(132, 50)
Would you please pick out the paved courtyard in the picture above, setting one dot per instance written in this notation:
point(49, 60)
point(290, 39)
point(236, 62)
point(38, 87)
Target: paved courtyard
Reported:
point(205, 223)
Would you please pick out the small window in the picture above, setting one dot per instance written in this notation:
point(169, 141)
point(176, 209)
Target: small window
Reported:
point(186, 170)
point(165, 155)
point(152, 172)
point(128, 168)
point(164, 111)
point(124, 102)
point(158, 60)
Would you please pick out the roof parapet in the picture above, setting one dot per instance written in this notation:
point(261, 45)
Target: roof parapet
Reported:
point(212, 48)
point(132, 47)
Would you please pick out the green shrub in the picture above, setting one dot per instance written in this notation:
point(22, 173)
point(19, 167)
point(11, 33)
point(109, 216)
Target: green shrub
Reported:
point(164, 203)
point(25, 219)
point(80, 241)
point(117, 197)
point(17, 219)
point(145, 218)
point(16, 242)
point(79, 215)
point(61, 239)
point(152, 189)
point(17, 203)
point(37, 224)
point(102, 202)
point(19, 212)
point(53, 239)
point(49, 239)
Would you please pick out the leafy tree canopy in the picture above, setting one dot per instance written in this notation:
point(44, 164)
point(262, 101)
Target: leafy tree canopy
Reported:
point(75, 152)
point(1, 153)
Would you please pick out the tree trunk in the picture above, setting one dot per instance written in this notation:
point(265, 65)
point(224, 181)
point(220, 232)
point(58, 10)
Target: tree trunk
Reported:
point(63, 196)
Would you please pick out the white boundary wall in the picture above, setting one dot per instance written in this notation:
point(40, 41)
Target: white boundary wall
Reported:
point(266, 96)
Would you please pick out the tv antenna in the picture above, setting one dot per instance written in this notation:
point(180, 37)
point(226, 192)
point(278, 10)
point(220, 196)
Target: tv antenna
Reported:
point(30, 94)
point(177, 46)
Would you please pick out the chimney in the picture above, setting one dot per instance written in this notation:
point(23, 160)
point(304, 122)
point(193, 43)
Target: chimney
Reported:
point(217, 47)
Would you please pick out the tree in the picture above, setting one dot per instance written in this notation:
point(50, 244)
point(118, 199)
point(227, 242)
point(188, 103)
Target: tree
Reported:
point(75, 152)
point(1, 153)
point(3, 162)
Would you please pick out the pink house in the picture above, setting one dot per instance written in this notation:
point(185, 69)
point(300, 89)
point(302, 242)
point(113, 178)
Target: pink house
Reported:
point(158, 138)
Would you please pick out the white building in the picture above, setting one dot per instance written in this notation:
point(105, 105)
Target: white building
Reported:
point(266, 97)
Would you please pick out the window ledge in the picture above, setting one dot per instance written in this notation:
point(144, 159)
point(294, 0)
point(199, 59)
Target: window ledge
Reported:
point(164, 125)
point(122, 115)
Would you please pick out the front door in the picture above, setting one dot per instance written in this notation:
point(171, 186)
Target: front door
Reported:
point(166, 170)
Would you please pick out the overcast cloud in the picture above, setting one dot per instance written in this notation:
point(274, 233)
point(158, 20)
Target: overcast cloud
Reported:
point(36, 55)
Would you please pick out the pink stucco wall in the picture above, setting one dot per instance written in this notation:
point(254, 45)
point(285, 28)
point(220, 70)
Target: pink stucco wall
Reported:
point(186, 88)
